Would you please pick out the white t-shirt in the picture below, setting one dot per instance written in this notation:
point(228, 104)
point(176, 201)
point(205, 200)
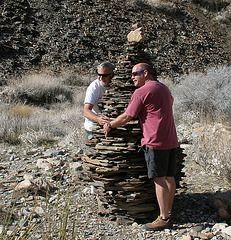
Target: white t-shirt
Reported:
point(94, 94)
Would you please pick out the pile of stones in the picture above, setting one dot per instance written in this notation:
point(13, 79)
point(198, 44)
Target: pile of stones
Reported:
point(116, 164)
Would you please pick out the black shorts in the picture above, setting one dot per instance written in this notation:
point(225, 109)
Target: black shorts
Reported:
point(160, 163)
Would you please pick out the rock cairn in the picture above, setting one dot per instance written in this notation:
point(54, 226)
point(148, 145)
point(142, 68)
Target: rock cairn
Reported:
point(116, 165)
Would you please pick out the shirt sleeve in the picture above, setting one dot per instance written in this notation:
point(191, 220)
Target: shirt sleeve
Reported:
point(91, 95)
point(135, 105)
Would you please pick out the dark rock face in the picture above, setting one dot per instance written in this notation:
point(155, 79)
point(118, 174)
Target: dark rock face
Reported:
point(17, 31)
point(80, 34)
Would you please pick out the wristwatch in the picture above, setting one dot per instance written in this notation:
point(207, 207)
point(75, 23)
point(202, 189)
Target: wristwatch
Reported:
point(109, 125)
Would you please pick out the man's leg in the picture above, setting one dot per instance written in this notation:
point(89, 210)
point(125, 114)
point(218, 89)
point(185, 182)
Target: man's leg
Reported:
point(172, 191)
point(164, 193)
point(163, 196)
point(162, 163)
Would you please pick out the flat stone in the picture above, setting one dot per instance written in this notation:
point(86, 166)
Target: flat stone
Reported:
point(136, 36)
point(227, 231)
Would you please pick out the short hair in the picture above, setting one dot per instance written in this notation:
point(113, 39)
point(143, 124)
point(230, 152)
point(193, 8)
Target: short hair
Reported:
point(106, 65)
point(152, 71)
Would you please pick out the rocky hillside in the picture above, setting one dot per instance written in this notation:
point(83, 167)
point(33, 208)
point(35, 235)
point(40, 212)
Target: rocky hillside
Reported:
point(182, 36)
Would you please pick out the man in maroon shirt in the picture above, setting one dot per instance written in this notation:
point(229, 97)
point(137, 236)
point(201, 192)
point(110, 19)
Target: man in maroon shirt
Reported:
point(152, 104)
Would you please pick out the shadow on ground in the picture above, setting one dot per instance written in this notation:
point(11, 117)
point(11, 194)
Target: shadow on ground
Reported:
point(195, 208)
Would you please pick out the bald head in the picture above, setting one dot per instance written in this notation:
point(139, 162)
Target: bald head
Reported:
point(144, 66)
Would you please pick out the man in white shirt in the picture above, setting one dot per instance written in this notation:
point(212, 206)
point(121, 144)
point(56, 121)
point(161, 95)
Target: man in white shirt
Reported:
point(94, 93)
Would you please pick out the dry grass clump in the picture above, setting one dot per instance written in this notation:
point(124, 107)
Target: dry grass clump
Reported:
point(46, 123)
point(160, 3)
point(10, 129)
point(212, 147)
point(37, 89)
point(19, 120)
point(22, 111)
point(59, 221)
point(42, 125)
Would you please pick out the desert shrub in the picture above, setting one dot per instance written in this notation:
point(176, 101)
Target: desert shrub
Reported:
point(212, 148)
point(42, 126)
point(160, 3)
point(37, 90)
point(13, 124)
point(76, 79)
point(20, 123)
point(10, 129)
point(203, 97)
point(10, 125)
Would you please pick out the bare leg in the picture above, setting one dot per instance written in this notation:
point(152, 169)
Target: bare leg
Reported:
point(165, 192)
point(162, 194)
point(172, 190)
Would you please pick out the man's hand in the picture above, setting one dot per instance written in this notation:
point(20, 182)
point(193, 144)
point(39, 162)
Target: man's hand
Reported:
point(106, 129)
point(118, 122)
point(89, 114)
point(103, 120)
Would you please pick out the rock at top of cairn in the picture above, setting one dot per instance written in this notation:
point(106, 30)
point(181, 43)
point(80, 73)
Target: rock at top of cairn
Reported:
point(136, 34)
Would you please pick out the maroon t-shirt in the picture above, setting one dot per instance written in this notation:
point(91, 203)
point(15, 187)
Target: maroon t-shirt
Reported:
point(152, 103)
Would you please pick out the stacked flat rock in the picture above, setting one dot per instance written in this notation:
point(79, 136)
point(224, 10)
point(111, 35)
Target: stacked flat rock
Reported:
point(117, 165)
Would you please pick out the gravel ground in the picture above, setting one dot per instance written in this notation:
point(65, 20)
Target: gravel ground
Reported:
point(193, 215)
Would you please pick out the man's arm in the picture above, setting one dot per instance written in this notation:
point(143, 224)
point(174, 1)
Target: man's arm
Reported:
point(118, 122)
point(87, 112)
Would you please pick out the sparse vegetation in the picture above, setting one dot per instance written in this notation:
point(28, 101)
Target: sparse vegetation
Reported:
point(212, 148)
point(201, 98)
point(204, 98)
point(59, 221)
point(31, 124)
point(38, 90)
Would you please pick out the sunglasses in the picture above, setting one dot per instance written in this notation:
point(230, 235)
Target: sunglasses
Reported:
point(104, 75)
point(137, 72)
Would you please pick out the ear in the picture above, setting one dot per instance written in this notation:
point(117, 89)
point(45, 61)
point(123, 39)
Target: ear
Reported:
point(145, 72)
